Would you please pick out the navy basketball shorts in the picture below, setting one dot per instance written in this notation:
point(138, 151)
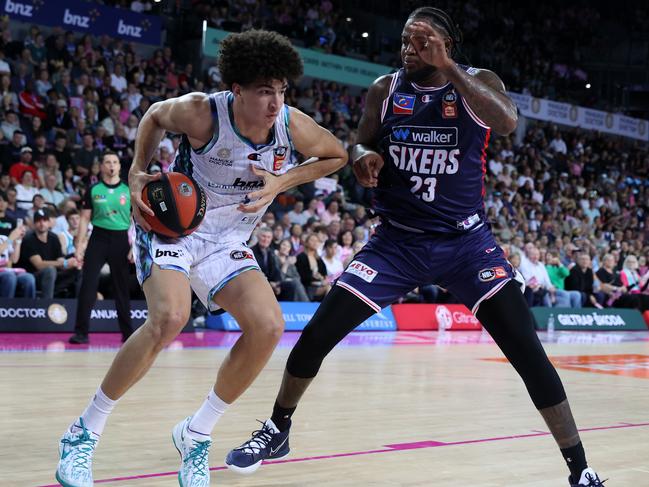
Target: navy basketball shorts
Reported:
point(472, 266)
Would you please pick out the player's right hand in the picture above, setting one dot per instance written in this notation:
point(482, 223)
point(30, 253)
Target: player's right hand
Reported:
point(137, 180)
point(366, 169)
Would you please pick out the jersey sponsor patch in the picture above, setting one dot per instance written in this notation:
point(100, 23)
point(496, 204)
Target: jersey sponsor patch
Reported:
point(241, 255)
point(491, 273)
point(449, 104)
point(403, 104)
point(175, 254)
point(361, 270)
point(279, 156)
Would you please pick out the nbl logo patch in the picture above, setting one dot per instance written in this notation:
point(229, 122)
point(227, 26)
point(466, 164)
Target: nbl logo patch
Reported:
point(403, 104)
point(241, 255)
point(486, 275)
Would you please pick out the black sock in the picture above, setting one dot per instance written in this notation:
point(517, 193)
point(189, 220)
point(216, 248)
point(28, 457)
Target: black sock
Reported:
point(282, 416)
point(576, 459)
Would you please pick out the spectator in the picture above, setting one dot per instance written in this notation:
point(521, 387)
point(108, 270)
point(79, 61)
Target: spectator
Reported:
point(68, 235)
point(558, 273)
point(14, 281)
point(288, 269)
point(296, 239)
point(297, 215)
point(61, 152)
point(332, 260)
point(582, 279)
point(345, 245)
point(25, 191)
point(10, 124)
point(635, 284)
point(312, 269)
point(558, 145)
point(42, 256)
point(615, 293)
point(85, 156)
point(14, 211)
point(50, 167)
point(49, 193)
point(539, 291)
point(331, 213)
point(60, 121)
point(269, 265)
point(7, 224)
point(19, 168)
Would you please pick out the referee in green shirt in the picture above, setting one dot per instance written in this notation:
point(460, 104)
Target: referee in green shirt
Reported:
point(107, 204)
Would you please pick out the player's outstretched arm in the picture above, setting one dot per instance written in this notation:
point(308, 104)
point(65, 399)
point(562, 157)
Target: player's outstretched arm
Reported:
point(312, 141)
point(189, 114)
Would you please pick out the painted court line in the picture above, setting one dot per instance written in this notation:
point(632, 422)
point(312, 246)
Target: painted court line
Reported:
point(388, 448)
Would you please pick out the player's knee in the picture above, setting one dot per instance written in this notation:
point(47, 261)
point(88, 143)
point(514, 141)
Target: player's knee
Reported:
point(268, 328)
point(165, 323)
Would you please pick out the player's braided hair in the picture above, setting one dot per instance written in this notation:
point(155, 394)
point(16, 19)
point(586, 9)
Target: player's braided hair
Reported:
point(258, 55)
point(441, 19)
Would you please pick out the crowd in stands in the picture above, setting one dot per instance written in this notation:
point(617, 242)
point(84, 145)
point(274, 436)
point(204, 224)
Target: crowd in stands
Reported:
point(568, 206)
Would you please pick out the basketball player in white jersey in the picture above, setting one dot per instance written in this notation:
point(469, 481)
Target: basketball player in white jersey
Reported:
point(238, 145)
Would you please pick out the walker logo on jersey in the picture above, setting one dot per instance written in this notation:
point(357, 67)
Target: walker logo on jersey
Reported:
point(486, 275)
point(254, 156)
point(279, 156)
point(424, 136)
point(403, 104)
point(400, 133)
point(361, 270)
point(241, 184)
point(449, 105)
point(241, 255)
point(168, 253)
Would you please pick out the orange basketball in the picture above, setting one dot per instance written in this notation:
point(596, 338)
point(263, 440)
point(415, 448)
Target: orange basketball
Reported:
point(178, 203)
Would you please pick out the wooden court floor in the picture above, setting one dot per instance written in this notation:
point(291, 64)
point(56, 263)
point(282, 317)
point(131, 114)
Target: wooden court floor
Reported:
point(409, 409)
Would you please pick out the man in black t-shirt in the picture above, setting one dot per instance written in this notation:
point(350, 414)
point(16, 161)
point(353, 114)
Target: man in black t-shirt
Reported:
point(41, 255)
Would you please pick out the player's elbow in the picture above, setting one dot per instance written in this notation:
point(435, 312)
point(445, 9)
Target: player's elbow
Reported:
point(507, 125)
point(343, 157)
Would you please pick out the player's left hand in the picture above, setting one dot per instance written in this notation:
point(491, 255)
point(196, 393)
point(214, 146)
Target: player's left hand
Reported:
point(264, 196)
point(429, 45)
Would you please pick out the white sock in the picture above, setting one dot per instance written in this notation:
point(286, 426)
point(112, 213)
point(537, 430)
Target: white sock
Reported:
point(96, 414)
point(204, 420)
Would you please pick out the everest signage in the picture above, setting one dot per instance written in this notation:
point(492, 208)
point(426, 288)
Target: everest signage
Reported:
point(297, 315)
point(87, 17)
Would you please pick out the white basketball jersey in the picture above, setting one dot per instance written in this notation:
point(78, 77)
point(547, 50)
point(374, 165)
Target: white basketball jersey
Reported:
point(222, 169)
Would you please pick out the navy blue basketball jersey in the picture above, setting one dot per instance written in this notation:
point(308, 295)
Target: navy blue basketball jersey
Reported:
point(434, 148)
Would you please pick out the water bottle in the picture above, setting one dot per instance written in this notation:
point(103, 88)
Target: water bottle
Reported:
point(551, 323)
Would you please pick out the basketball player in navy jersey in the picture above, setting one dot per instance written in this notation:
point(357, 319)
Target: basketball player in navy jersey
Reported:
point(422, 141)
point(238, 146)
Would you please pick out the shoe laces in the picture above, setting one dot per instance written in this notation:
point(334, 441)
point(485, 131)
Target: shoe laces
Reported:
point(84, 446)
point(594, 481)
point(198, 457)
point(260, 439)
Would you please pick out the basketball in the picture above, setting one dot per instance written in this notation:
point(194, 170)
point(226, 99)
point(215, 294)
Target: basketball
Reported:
point(178, 203)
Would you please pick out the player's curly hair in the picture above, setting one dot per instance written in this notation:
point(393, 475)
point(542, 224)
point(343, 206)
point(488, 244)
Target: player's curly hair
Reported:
point(258, 55)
